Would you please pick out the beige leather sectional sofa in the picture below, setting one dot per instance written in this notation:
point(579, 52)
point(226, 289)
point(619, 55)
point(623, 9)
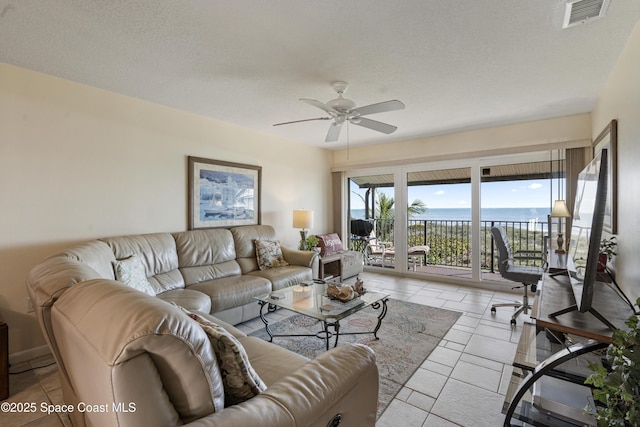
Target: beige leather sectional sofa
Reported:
point(129, 358)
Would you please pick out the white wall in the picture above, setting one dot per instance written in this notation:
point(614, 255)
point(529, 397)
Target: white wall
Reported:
point(620, 100)
point(78, 163)
point(569, 131)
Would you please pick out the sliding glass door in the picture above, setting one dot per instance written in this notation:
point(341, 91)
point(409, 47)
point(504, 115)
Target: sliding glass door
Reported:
point(371, 218)
point(439, 226)
point(515, 195)
point(436, 219)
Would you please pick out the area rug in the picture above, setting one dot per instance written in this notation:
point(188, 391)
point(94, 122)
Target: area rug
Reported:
point(408, 334)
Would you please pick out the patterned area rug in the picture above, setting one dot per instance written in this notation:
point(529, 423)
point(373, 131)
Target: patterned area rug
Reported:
point(408, 334)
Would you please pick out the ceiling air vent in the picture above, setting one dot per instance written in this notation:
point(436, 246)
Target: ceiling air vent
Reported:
point(582, 11)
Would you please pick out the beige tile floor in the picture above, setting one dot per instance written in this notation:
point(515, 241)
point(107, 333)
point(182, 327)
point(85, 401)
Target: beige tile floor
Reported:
point(462, 382)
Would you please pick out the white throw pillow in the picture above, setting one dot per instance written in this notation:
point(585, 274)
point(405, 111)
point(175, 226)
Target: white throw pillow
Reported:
point(131, 272)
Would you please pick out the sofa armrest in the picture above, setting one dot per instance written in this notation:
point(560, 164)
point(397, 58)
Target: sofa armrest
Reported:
point(298, 257)
point(303, 258)
point(341, 381)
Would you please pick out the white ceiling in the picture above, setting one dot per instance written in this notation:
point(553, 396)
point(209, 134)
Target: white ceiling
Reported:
point(456, 64)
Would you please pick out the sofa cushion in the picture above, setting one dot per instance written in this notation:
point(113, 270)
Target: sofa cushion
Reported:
point(206, 254)
point(190, 299)
point(283, 277)
point(240, 380)
point(269, 254)
point(130, 271)
point(234, 291)
point(269, 361)
point(329, 243)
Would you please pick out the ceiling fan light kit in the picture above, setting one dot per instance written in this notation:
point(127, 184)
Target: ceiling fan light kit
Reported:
point(343, 110)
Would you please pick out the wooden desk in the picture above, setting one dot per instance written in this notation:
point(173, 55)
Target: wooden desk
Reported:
point(556, 294)
point(557, 263)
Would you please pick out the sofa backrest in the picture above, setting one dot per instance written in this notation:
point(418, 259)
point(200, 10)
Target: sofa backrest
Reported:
point(244, 238)
point(52, 277)
point(206, 255)
point(158, 254)
point(95, 254)
point(135, 349)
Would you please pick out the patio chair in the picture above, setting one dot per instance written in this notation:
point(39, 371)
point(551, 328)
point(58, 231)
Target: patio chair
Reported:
point(374, 253)
point(384, 254)
point(527, 275)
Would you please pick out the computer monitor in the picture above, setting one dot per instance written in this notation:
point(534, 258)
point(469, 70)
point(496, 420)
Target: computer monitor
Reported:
point(586, 232)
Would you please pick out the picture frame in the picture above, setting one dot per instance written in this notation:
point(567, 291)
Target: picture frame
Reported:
point(223, 194)
point(608, 139)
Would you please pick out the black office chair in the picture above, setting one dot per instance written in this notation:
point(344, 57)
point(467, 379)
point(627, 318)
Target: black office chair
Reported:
point(527, 275)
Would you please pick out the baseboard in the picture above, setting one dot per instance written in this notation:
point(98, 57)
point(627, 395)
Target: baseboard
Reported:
point(26, 355)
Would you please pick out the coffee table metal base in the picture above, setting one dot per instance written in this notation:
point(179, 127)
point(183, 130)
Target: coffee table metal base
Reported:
point(324, 334)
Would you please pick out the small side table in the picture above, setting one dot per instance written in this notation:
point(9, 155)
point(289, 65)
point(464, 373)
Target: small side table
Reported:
point(4, 360)
point(330, 266)
point(343, 264)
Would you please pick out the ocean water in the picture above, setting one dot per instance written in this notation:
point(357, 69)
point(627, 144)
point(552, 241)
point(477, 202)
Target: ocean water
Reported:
point(486, 214)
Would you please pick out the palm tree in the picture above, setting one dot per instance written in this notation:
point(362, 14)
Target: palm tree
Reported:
point(384, 211)
point(416, 207)
point(384, 208)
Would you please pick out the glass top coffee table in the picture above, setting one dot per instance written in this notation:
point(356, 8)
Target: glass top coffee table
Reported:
point(311, 300)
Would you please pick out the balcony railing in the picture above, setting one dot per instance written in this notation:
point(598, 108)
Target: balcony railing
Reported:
point(449, 241)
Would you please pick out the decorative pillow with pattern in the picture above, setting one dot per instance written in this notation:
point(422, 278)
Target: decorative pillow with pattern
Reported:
point(241, 382)
point(329, 243)
point(131, 272)
point(269, 254)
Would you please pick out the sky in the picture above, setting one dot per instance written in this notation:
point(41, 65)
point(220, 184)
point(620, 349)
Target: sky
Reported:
point(508, 194)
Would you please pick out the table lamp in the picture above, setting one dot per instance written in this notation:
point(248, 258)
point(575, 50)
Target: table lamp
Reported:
point(303, 219)
point(560, 211)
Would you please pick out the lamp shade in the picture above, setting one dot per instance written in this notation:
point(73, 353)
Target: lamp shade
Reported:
point(302, 218)
point(560, 209)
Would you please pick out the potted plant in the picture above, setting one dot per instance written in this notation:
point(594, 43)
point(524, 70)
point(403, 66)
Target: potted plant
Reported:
point(607, 251)
point(311, 242)
point(616, 382)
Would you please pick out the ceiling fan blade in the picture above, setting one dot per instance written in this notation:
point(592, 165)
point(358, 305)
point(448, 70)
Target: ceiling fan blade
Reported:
point(375, 125)
point(321, 106)
point(334, 132)
point(303, 120)
point(380, 107)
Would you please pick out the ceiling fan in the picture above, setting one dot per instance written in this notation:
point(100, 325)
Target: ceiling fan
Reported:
point(343, 110)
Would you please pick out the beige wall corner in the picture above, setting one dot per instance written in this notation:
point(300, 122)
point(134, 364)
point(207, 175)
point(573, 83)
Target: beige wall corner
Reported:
point(620, 100)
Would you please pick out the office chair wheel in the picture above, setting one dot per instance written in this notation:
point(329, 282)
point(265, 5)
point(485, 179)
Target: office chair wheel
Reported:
point(493, 310)
point(513, 322)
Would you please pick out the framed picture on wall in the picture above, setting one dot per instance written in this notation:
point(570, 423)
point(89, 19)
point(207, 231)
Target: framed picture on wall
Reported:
point(608, 139)
point(223, 194)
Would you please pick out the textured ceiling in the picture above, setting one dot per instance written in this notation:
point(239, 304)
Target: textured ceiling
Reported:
point(456, 64)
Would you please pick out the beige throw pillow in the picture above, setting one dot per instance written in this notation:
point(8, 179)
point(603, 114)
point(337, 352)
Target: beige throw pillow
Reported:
point(269, 254)
point(241, 382)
